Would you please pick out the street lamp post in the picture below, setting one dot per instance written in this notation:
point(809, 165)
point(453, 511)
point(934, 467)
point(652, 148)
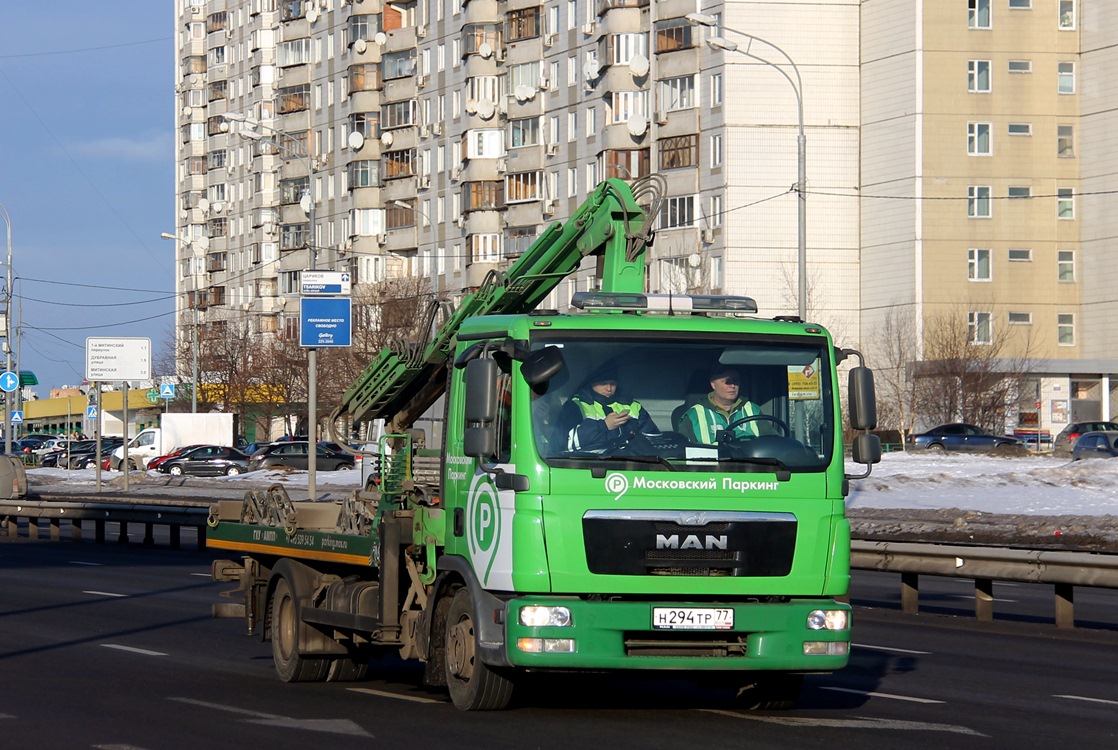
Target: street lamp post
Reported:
point(194, 333)
point(312, 352)
point(702, 19)
point(8, 334)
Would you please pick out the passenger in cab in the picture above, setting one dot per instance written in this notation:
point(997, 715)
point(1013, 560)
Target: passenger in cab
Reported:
point(599, 416)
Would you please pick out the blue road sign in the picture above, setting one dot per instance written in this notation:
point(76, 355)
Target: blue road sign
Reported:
point(17, 417)
point(167, 390)
point(9, 381)
point(325, 321)
point(91, 412)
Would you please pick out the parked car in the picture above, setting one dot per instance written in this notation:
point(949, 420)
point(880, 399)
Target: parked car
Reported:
point(206, 461)
point(1065, 439)
point(155, 462)
point(84, 453)
point(253, 448)
point(959, 436)
point(1095, 444)
point(294, 454)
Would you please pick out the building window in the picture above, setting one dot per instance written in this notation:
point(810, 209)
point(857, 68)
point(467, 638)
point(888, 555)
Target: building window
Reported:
point(716, 150)
point(1066, 78)
point(485, 248)
point(1067, 15)
point(1020, 254)
point(524, 132)
point(1065, 266)
point(679, 151)
point(1020, 128)
point(363, 173)
point(625, 104)
point(365, 123)
point(626, 164)
point(715, 89)
point(1020, 66)
point(483, 195)
point(1020, 4)
point(715, 218)
point(363, 77)
point(364, 26)
point(294, 52)
point(398, 114)
point(978, 16)
point(1065, 203)
point(398, 64)
point(678, 93)
point(979, 139)
point(1020, 319)
point(978, 264)
point(978, 202)
point(399, 163)
point(1065, 329)
point(1065, 141)
point(674, 34)
point(620, 49)
point(979, 328)
point(294, 236)
point(678, 212)
point(522, 186)
point(978, 76)
point(294, 98)
point(522, 24)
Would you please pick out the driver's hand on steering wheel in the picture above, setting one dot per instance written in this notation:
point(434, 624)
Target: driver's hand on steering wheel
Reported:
point(616, 419)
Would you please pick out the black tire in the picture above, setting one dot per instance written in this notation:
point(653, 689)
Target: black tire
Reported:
point(291, 666)
point(348, 669)
point(175, 470)
point(937, 448)
point(771, 692)
point(473, 685)
point(344, 467)
point(232, 471)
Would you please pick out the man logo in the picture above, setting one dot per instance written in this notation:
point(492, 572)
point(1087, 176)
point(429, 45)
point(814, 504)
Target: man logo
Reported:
point(692, 541)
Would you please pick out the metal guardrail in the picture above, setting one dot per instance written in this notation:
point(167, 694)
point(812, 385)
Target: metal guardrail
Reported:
point(1060, 569)
point(78, 515)
point(1063, 570)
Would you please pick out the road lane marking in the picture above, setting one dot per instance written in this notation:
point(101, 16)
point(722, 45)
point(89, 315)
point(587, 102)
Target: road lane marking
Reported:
point(105, 593)
point(857, 723)
point(334, 726)
point(133, 650)
point(386, 694)
point(1087, 699)
point(873, 694)
point(83, 562)
point(890, 648)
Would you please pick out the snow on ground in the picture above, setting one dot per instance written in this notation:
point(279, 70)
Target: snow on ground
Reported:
point(1032, 485)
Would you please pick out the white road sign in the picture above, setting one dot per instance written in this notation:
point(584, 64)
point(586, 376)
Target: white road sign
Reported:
point(117, 359)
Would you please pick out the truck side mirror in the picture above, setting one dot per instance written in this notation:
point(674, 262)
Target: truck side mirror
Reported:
point(479, 439)
point(863, 402)
point(866, 449)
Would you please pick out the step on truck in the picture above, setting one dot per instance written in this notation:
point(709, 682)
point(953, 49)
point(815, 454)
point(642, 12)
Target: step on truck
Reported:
point(721, 557)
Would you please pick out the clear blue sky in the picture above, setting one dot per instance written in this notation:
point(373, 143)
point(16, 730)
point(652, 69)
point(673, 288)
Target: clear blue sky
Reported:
point(87, 109)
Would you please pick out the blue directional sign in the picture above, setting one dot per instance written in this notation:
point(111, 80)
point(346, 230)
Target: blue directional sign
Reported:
point(167, 390)
point(325, 321)
point(91, 412)
point(17, 417)
point(9, 381)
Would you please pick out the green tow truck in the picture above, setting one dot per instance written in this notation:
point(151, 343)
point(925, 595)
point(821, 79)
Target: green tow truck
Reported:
point(534, 553)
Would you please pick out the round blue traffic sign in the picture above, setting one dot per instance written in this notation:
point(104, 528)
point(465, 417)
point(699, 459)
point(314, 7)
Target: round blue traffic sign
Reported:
point(9, 381)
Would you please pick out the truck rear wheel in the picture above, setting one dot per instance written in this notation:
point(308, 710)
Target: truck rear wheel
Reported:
point(291, 665)
point(348, 668)
point(771, 692)
point(473, 685)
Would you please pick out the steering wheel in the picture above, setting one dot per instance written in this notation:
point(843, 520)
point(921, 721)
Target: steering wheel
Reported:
point(785, 432)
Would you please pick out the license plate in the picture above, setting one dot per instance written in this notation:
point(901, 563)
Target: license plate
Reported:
point(692, 618)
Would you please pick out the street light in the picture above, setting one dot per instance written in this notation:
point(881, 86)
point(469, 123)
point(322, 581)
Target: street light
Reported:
point(703, 19)
point(8, 335)
point(308, 205)
point(194, 339)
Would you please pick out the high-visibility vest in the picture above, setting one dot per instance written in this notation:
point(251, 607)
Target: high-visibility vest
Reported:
point(596, 410)
point(708, 420)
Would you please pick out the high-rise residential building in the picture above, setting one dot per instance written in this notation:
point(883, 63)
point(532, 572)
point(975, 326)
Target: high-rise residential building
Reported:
point(438, 139)
point(955, 154)
point(986, 171)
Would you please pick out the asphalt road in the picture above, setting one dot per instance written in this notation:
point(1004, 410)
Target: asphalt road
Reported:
point(110, 646)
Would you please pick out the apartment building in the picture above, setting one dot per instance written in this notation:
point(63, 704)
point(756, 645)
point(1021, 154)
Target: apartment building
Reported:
point(987, 164)
point(437, 139)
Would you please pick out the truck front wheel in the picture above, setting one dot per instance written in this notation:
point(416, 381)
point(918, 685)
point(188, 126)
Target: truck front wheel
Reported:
point(473, 685)
point(771, 692)
point(291, 665)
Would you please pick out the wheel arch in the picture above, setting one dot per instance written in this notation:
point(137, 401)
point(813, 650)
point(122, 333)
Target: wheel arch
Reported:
point(490, 613)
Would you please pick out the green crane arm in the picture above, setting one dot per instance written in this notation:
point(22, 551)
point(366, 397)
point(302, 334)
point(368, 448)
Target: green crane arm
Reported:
point(403, 381)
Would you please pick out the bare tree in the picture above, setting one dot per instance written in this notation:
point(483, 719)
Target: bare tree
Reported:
point(971, 375)
point(893, 352)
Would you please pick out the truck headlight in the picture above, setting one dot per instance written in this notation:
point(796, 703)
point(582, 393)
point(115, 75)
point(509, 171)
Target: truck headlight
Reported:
point(542, 617)
point(828, 619)
point(546, 645)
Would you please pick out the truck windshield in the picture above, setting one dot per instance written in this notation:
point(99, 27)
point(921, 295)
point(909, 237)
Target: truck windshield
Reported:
point(743, 403)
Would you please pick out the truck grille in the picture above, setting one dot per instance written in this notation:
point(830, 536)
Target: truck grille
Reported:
point(715, 645)
point(680, 543)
